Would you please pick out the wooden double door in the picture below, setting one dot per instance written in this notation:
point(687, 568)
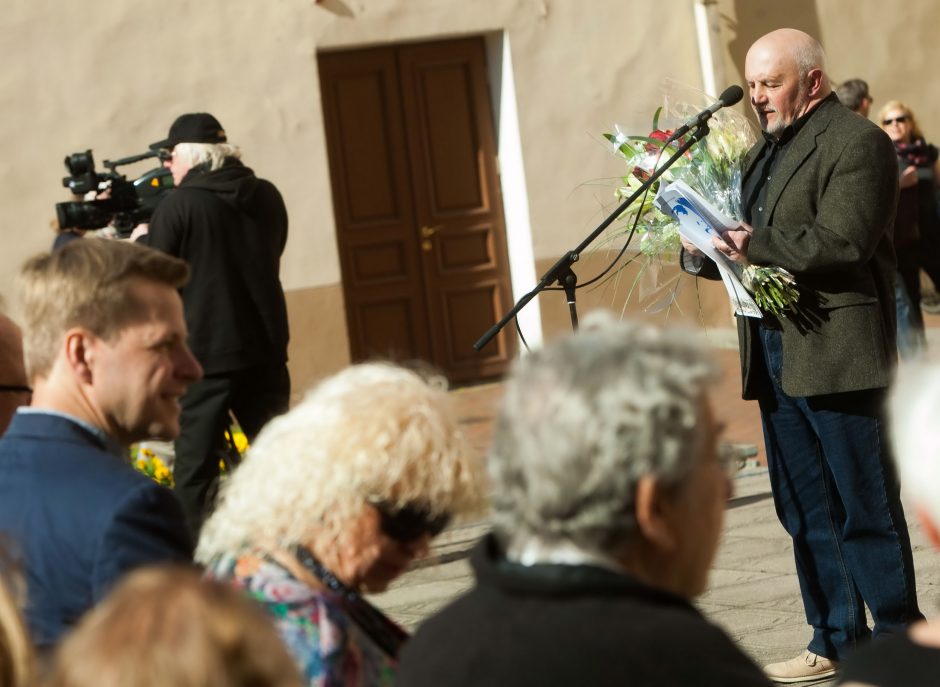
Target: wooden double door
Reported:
point(416, 196)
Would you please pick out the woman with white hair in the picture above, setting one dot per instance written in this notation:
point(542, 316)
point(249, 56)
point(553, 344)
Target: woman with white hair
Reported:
point(914, 406)
point(608, 500)
point(339, 496)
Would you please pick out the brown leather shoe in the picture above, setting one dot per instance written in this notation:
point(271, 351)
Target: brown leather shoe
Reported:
point(803, 668)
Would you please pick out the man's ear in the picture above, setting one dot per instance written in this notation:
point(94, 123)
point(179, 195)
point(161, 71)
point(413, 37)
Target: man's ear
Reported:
point(79, 353)
point(654, 514)
point(815, 78)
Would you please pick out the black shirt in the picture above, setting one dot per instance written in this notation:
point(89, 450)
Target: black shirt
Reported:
point(754, 188)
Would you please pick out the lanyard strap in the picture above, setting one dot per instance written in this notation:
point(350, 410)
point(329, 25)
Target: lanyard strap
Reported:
point(385, 633)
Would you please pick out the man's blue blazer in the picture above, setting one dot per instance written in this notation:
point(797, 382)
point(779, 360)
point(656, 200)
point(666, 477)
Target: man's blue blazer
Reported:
point(78, 517)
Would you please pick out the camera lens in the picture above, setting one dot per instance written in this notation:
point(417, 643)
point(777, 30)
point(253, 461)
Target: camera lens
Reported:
point(80, 163)
point(82, 215)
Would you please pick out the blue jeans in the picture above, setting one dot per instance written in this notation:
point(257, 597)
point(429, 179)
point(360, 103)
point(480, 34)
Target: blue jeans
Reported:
point(837, 495)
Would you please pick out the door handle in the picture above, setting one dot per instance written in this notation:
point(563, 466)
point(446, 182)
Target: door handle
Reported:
point(428, 232)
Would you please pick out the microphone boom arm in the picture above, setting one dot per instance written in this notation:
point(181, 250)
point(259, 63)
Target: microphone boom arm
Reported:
point(561, 271)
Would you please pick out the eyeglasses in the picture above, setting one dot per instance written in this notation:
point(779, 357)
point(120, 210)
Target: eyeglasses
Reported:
point(165, 154)
point(900, 119)
point(409, 522)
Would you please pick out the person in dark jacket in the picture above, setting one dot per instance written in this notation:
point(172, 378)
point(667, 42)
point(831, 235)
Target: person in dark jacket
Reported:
point(917, 224)
point(231, 227)
point(105, 349)
point(608, 497)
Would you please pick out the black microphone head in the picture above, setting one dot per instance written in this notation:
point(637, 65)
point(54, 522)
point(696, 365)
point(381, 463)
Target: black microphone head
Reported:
point(731, 95)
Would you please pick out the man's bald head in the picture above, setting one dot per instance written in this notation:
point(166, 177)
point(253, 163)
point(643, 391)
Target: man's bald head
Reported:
point(786, 76)
point(797, 47)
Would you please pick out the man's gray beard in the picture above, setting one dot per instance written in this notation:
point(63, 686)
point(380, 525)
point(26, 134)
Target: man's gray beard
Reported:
point(777, 128)
point(779, 125)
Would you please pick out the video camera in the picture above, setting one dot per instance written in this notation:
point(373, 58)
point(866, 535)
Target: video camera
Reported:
point(127, 203)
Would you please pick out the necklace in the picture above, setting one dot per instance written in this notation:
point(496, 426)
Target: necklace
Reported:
point(385, 633)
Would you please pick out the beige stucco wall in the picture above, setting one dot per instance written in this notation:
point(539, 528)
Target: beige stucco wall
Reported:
point(893, 46)
point(111, 75)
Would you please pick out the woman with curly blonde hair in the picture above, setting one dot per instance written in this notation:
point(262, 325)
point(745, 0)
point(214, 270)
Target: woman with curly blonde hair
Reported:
point(339, 496)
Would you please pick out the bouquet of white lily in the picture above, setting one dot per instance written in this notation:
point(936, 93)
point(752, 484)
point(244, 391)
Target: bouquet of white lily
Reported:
point(713, 168)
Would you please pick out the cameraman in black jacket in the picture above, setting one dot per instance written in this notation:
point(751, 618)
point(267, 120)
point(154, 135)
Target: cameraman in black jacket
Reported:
point(231, 227)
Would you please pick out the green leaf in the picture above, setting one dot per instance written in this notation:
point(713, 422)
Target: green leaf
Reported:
point(656, 115)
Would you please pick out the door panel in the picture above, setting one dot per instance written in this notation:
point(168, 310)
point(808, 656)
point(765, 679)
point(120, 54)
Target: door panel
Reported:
point(472, 248)
point(419, 222)
point(372, 199)
point(389, 328)
point(379, 264)
point(446, 112)
point(369, 153)
point(471, 311)
point(453, 153)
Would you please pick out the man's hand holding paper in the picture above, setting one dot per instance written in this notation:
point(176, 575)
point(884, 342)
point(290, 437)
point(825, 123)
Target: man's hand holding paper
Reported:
point(713, 234)
point(732, 243)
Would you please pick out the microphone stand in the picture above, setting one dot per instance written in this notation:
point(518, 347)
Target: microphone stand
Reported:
point(561, 271)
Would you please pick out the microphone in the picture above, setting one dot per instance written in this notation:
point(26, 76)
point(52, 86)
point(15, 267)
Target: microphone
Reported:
point(731, 96)
point(132, 158)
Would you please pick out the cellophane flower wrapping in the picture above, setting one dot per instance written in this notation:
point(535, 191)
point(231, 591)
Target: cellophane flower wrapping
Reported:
point(713, 166)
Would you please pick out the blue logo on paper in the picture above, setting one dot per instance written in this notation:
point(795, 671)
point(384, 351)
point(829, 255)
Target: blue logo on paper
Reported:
point(683, 208)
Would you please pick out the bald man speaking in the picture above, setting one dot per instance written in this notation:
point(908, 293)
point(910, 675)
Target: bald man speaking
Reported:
point(819, 195)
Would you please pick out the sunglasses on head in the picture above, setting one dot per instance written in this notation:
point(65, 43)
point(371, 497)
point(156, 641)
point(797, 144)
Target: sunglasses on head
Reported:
point(900, 119)
point(409, 522)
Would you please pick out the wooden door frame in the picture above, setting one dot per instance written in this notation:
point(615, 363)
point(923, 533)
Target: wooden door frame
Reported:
point(520, 244)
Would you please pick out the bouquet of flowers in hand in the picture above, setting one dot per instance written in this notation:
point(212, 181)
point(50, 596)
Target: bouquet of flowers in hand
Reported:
point(713, 167)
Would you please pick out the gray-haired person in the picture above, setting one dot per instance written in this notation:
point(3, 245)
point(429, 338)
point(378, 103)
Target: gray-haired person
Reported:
point(608, 497)
point(855, 96)
point(231, 227)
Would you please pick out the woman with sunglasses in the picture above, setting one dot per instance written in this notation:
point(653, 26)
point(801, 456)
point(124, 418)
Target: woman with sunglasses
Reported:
point(916, 226)
point(335, 498)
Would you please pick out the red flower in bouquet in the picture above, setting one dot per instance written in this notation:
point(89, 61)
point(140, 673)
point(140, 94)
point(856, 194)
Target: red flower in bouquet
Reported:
point(651, 147)
point(655, 145)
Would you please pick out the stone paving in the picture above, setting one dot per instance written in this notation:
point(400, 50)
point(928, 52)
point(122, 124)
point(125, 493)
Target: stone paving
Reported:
point(753, 592)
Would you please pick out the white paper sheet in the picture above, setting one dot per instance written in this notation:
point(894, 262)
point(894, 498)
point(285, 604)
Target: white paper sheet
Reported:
point(698, 221)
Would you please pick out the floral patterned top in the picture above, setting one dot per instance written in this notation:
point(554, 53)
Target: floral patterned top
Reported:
point(331, 650)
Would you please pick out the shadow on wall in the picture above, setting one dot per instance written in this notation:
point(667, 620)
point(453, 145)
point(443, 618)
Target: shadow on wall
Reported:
point(337, 7)
point(748, 20)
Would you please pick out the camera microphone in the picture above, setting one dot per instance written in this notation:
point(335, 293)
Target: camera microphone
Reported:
point(128, 160)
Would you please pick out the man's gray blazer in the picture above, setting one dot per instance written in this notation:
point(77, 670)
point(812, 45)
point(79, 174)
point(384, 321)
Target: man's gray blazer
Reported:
point(830, 209)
